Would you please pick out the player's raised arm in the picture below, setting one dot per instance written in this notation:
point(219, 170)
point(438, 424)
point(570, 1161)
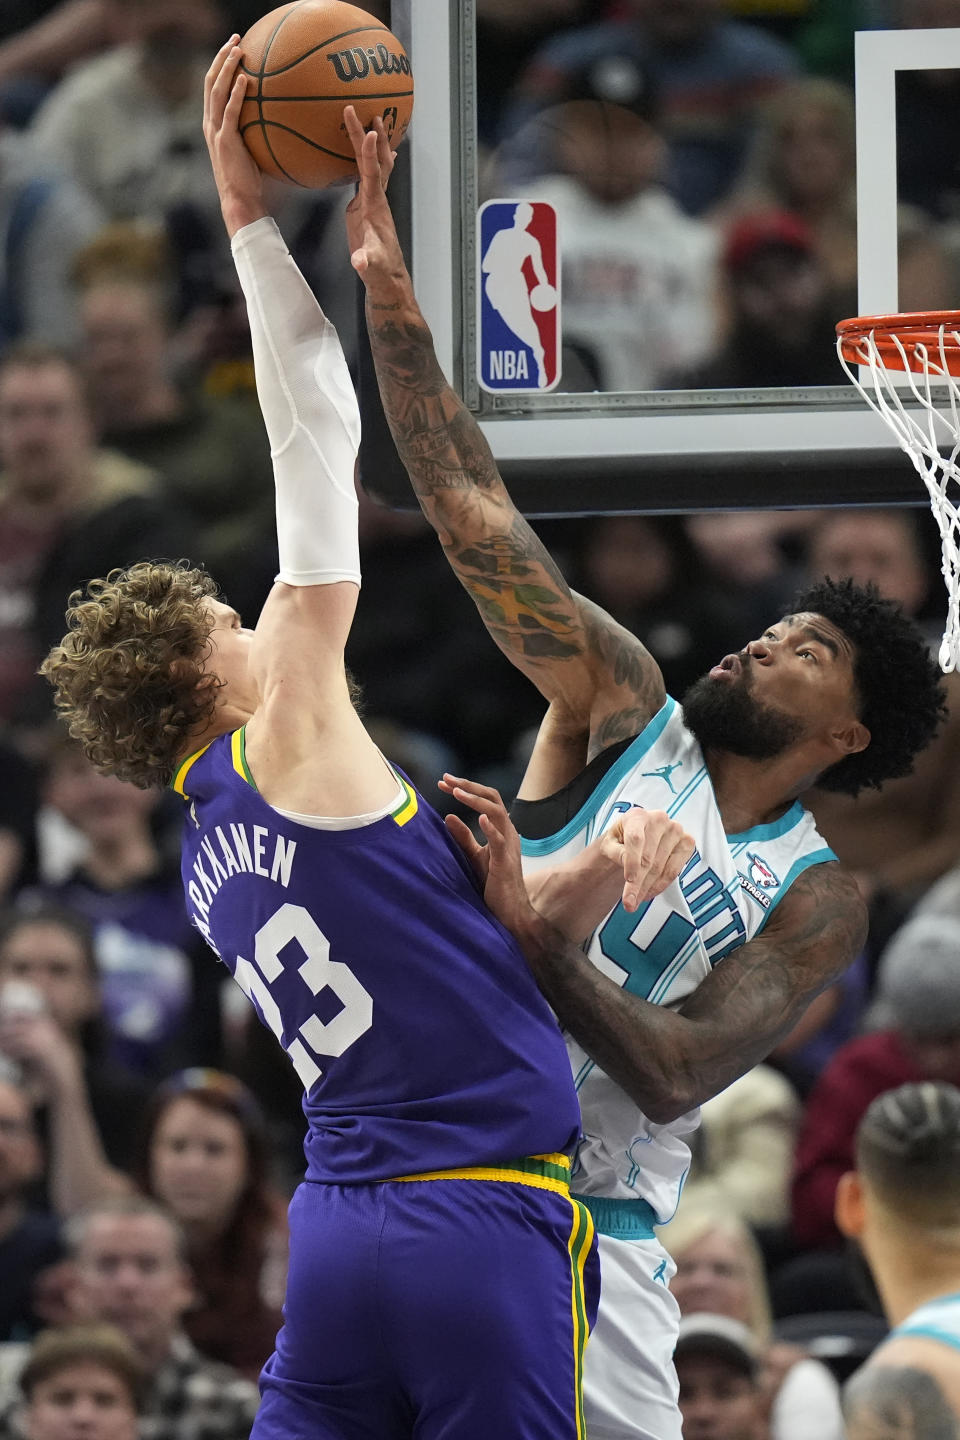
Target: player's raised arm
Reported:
point(593, 670)
point(310, 412)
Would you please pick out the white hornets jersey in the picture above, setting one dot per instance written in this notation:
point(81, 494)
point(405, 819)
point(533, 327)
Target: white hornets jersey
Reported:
point(725, 895)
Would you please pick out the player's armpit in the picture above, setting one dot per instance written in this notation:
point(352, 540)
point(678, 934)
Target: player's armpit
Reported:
point(671, 1061)
point(886, 1402)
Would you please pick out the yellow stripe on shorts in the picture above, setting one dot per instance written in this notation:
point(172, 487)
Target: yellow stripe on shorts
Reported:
point(579, 1245)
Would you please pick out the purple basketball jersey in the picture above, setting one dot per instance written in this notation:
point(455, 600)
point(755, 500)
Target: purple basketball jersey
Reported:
point(408, 1011)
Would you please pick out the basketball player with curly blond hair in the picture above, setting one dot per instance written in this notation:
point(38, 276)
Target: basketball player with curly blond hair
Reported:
point(441, 1278)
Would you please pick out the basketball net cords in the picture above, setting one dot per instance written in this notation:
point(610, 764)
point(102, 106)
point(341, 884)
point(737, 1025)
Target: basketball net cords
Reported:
point(916, 434)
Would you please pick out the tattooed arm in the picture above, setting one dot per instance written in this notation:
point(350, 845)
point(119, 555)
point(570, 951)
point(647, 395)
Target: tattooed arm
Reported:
point(894, 1402)
point(597, 678)
point(669, 1061)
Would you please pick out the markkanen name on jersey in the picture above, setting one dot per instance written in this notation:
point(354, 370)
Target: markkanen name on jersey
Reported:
point(249, 850)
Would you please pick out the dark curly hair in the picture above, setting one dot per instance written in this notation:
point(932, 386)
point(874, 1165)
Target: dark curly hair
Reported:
point(901, 697)
point(126, 674)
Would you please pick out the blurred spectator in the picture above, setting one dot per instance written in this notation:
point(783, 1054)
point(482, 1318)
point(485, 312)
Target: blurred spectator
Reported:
point(898, 840)
point(19, 800)
point(44, 220)
point(639, 276)
point(211, 456)
point(918, 1006)
point(124, 125)
point(943, 897)
point(89, 1111)
point(829, 1021)
point(639, 568)
point(720, 1393)
point(84, 1382)
point(130, 1271)
point(720, 1272)
point(928, 105)
point(160, 992)
point(29, 1239)
point(68, 511)
point(39, 39)
point(749, 554)
point(743, 1151)
point(206, 1157)
point(507, 35)
point(804, 161)
point(712, 73)
point(782, 317)
point(901, 1205)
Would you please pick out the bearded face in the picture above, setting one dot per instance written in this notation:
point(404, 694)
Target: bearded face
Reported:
point(723, 714)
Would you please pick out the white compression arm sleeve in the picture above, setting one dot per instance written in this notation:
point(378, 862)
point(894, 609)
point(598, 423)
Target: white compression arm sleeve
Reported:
point(309, 408)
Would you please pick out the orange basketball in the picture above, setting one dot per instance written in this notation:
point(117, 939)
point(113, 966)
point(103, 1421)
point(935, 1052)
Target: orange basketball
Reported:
point(306, 61)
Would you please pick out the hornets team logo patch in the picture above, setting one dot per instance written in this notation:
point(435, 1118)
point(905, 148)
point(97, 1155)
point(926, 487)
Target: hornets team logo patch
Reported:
point(759, 880)
point(518, 297)
point(760, 872)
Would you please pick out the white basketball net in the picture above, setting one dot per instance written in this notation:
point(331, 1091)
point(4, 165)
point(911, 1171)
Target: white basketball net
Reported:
point(920, 433)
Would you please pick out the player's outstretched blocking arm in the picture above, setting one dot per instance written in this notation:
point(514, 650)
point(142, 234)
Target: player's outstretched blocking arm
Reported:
point(304, 740)
point(669, 1061)
point(598, 675)
point(310, 412)
point(303, 384)
point(309, 408)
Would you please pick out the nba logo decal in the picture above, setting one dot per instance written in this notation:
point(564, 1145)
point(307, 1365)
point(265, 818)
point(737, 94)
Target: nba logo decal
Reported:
point(518, 297)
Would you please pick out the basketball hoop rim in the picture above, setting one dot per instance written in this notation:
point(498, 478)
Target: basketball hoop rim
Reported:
point(895, 340)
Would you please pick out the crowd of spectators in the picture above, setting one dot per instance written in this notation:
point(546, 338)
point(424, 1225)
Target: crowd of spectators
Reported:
point(701, 159)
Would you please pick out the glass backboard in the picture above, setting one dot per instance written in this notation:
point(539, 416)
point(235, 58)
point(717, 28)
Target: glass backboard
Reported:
point(670, 448)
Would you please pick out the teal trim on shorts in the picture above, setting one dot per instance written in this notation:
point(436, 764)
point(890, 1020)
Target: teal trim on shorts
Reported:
point(621, 1219)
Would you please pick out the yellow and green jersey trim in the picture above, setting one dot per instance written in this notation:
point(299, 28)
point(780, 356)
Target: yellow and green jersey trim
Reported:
point(405, 811)
point(180, 774)
point(543, 1172)
point(408, 805)
point(238, 755)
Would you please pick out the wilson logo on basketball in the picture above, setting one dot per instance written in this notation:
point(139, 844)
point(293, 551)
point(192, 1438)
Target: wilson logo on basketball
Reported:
point(357, 64)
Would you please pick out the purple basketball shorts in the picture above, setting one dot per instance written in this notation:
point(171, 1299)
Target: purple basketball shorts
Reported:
point(449, 1308)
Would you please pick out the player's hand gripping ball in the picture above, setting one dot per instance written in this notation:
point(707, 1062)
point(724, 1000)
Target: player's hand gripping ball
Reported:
point(305, 62)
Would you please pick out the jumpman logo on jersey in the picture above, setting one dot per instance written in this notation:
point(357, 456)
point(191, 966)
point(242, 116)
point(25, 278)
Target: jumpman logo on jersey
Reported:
point(663, 772)
point(661, 1272)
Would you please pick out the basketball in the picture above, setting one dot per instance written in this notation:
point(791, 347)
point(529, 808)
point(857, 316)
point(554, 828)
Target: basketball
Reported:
point(305, 62)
